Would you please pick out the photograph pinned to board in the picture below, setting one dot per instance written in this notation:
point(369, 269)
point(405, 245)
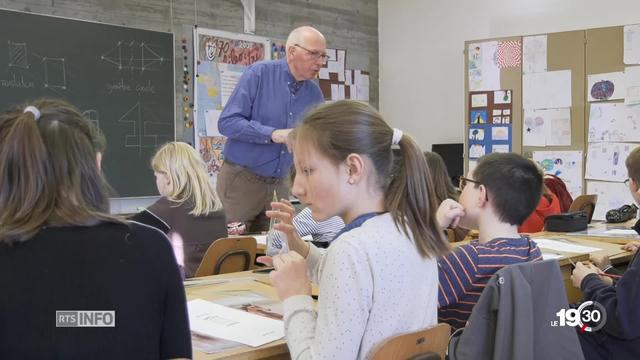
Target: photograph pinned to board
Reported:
point(483, 71)
point(632, 82)
point(476, 151)
point(611, 195)
point(605, 161)
point(632, 44)
point(500, 133)
point(478, 117)
point(479, 100)
point(476, 134)
point(567, 165)
point(614, 122)
point(607, 86)
point(502, 97)
point(497, 120)
point(506, 120)
point(534, 54)
point(497, 112)
point(546, 90)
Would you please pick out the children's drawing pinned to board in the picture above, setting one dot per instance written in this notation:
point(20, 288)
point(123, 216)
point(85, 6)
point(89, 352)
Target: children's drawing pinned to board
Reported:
point(476, 151)
point(502, 97)
point(509, 54)
point(478, 117)
point(500, 133)
point(476, 134)
point(602, 90)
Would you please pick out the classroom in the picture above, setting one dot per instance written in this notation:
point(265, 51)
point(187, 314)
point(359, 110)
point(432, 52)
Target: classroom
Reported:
point(319, 179)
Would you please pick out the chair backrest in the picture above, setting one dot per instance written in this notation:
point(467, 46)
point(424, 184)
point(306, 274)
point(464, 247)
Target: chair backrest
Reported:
point(585, 203)
point(225, 255)
point(430, 343)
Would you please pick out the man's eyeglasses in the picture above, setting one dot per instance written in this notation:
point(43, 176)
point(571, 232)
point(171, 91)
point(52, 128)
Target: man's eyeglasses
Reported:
point(626, 182)
point(314, 54)
point(464, 181)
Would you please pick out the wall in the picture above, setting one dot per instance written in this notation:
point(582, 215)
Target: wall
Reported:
point(422, 43)
point(351, 25)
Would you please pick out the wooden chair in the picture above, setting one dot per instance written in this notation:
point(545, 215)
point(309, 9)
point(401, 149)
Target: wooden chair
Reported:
point(225, 255)
point(584, 203)
point(425, 344)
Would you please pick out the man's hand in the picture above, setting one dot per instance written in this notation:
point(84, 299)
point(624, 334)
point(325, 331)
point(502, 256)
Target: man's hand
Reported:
point(281, 136)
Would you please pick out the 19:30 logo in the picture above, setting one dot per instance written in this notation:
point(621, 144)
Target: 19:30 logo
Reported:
point(590, 316)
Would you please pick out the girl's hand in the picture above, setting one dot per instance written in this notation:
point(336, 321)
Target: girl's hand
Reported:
point(290, 275)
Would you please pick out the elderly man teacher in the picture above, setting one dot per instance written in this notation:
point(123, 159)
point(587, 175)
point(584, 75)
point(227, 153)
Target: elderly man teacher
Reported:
point(269, 100)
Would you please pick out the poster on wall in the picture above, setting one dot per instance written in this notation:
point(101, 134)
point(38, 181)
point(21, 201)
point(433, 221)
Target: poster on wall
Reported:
point(489, 122)
point(483, 70)
point(606, 161)
point(567, 165)
point(220, 59)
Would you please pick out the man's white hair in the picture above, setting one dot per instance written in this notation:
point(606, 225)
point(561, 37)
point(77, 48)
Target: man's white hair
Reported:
point(298, 35)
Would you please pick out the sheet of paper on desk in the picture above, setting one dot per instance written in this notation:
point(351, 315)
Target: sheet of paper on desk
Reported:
point(621, 232)
point(558, 245)
point(223, 322)
point(549, 256)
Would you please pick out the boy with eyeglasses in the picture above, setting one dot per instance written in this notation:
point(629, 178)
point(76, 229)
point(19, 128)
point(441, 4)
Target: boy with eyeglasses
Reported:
point(496, 197)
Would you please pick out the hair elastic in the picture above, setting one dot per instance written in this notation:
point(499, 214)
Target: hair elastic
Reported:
point(34, 110)
point(397, 135)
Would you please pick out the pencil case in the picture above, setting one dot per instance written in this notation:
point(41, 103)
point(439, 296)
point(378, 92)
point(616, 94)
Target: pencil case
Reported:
point(566, 222)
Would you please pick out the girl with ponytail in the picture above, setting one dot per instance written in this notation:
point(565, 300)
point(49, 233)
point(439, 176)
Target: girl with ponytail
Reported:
point(379, 278)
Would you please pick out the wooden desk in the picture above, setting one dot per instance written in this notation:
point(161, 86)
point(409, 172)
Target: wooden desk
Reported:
point(614, 251)
point(274, 350)
point(601, 226)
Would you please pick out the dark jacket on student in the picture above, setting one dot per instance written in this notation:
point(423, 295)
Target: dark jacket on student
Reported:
point(620, 336)
point(512, 319)
point(190, 235)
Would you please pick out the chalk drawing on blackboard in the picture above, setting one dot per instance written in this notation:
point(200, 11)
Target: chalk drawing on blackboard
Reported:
point(18, 55)
point(133, 56)
point(55, 75)
point(145, 131)
point(93, 117)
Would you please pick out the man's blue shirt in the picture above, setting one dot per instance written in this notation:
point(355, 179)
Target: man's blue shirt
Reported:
point(266, 98)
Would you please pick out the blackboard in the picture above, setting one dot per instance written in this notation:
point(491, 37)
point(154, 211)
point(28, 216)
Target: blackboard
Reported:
point(121, 78)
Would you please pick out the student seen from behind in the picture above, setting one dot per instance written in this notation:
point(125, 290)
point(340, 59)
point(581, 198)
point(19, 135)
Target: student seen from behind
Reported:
point(497, 196)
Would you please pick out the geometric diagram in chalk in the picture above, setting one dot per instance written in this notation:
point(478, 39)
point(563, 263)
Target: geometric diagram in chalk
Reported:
point(18, 55)
point(55, 75)
point(144, 129)
point(133, 55)
point(93, 117)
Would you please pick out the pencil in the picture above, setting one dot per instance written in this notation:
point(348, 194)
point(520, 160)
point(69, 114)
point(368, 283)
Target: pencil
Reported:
point(609, 275)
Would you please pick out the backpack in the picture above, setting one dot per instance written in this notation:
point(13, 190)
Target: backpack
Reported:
point(558, 187)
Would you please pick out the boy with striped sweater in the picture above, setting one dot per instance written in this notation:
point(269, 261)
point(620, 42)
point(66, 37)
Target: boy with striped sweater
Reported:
point(496, 197)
